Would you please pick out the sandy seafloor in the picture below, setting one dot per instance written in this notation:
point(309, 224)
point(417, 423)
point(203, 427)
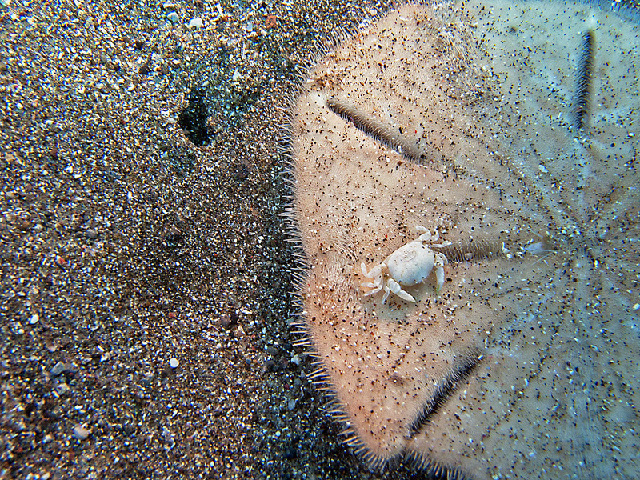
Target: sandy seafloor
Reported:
point(128, 249)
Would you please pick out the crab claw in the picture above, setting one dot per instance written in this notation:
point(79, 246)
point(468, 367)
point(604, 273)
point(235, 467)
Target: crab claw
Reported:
point(395, 287)
point(440, 277)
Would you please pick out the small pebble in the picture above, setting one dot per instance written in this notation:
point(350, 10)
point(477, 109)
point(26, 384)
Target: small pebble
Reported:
point(80, 432)
point(173, 363)
point(58, 368)
point(62, 388)
point(34, 319)
point(173, 17)
point(61, 367)
point(196, 23)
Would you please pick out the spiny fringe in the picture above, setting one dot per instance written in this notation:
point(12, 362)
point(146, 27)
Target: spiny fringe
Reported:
point(478, 249)
point(462, 370)
point(376, 130)
point(433, 469)
point(584, 77)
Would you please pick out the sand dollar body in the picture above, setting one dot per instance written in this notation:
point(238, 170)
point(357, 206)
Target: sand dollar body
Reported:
point(460, 119)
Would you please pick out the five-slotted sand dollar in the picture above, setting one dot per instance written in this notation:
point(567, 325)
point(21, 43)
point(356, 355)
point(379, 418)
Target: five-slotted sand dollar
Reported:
point(460, 118)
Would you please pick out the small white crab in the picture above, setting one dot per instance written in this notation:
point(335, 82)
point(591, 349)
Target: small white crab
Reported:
point(409, 265)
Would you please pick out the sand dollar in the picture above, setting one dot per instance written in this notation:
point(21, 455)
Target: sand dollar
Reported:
point(510, 129)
